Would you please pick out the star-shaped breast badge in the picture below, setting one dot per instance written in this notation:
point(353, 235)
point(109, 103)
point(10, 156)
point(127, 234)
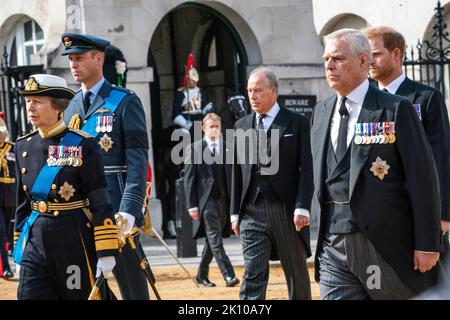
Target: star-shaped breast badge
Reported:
point(380, 168)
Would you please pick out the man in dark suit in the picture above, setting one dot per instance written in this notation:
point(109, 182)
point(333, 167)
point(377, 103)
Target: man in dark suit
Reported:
point(116, 118)
point(271, 196)
point(388, 50)
point(376, 192)
point(206, 186)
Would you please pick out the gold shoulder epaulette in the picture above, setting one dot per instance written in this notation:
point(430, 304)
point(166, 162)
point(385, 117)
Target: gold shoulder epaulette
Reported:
point(75, 122)
point(81, 133)
point(27, 135)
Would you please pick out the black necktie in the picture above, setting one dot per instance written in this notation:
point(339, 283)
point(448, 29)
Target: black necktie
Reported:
point(87, 101)
point(260, 123)
point(213, 151)
point(342, 135)
point(262, 149)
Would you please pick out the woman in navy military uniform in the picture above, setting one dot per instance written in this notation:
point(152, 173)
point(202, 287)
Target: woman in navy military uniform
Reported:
point(65, 229)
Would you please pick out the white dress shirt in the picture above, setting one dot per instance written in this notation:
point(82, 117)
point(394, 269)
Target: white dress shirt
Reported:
point(267, 122)
point(394, 85)
point(354, 103)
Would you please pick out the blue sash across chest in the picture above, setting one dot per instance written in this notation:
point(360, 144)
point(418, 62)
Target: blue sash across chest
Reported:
point(111, 103)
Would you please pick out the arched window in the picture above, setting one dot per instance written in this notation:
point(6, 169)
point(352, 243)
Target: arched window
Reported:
point(26, 39)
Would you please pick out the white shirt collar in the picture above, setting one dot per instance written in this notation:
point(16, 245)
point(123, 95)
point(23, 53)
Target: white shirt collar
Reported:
point(358, 94)
point(272, 113)
point(210, 142)
point(394, 85)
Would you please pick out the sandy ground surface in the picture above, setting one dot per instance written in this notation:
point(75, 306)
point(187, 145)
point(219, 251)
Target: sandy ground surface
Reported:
point(172, 283)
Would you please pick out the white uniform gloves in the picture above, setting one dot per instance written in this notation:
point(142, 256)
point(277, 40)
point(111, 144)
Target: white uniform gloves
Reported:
point(105, 265)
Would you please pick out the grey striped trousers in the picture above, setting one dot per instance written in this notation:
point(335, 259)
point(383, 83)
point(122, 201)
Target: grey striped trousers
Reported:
point(351, 269)
point(266, 226)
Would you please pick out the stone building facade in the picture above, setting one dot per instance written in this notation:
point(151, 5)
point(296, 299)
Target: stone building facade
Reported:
point(227, 37)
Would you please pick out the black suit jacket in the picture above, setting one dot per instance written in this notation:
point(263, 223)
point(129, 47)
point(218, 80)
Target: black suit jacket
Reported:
point(199, 181)
point(436, 125)
point(293, 183)
point(400, 213)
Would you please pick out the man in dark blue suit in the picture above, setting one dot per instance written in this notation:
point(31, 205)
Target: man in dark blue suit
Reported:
point(388, 49)
point(116, 117)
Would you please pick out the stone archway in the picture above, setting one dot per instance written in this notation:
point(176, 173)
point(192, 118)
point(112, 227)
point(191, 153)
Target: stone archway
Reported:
point(345, 20)
point(220, 41)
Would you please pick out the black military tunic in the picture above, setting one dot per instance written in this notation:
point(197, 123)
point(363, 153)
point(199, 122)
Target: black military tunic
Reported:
point(192, 111)
point(60, 257)
point(7, 199)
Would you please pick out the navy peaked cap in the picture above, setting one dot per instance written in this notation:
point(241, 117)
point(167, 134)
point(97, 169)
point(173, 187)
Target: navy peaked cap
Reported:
point(78, 43)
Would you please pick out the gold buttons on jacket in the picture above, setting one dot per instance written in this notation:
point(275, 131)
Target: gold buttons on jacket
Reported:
point(56, 213)
point(24, 170)
point(53, 186)
point(25, 188)
point(29, 138)
point(25, 154)
point(88, 225)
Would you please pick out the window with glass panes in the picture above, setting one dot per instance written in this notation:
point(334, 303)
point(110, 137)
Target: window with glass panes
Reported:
point(26, 40)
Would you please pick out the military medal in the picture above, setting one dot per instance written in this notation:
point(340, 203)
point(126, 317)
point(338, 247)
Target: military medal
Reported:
point(380, 168)
point(373, 134)
point(358, 138)
point(386, 132)
point(392, 137)
point(106, 142)
point(98, 127)
point(103, 124)
point(380, 133)
point(368, 137)
point(109, 122)
point(51, 156)
point(418, 110)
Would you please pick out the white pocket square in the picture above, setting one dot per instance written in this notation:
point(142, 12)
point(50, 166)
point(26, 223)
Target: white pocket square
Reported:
point(288, 135)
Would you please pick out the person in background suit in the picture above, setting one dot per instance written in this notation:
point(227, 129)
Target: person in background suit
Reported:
point(388, 50)
point(7, 196)
point(207, 197)
point(376, 191)
point(116, 118)
point(271, 197)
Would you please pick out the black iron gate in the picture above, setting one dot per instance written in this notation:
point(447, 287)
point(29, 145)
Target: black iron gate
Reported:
point(431, 66)
point(11, 102)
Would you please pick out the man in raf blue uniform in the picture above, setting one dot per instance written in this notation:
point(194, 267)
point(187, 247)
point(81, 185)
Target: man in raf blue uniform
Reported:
point(115, 116)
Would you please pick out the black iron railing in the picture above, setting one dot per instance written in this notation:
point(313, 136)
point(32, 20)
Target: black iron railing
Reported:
point(11, 102)
point(430, 62)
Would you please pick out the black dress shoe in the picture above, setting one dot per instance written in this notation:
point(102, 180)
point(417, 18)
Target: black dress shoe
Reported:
point(205, 282)
point(8, 275)
point(231, 282)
